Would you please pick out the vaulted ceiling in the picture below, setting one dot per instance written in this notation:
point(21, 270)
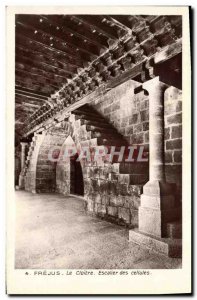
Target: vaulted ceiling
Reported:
point(52, 50)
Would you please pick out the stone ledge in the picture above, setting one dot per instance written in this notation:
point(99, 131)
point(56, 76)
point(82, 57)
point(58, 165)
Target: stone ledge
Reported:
point(166, 246)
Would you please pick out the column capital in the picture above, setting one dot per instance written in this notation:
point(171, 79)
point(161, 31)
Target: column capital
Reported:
point(154, 84)
point(23, 144)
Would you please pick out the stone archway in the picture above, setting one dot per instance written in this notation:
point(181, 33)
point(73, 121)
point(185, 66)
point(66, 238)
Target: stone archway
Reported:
point(69, 172)
point(76, 176)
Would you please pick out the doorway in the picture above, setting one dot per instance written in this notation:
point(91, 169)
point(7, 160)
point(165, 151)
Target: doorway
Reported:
point(76, 177)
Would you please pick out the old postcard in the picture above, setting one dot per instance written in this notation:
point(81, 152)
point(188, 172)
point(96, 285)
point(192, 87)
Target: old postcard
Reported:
point(98, 150)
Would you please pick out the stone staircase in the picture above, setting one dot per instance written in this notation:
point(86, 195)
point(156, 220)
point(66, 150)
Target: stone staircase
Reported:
point(112, 189)
point(117, 198)
point(102, 133)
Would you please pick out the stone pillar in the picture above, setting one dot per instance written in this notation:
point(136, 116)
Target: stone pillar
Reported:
point(157, 200)
point(156, 90)
point(21, 176)
point(23, 146)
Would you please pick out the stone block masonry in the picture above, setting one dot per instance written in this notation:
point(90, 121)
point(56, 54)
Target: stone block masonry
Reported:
point(131, 118)
point(111, 198)
point(127, 112)
point(173, 138)
point(112, 190)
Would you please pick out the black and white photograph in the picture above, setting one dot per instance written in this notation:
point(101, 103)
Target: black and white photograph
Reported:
point(98, 108)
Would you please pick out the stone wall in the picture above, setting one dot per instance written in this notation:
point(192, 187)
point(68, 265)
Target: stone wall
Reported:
point(173, 137)
point(63, 169)
point(108, 193)
point(17, 164)
point(46, 168)
point(41, 171)
point(112, 190)
point(31, 163)
point(128, 112)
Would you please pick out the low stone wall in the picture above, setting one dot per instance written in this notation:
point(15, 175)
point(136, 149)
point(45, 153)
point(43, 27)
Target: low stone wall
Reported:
point(110, 196)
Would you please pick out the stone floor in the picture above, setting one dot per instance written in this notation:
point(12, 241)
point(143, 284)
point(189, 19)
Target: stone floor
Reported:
point(54, 232)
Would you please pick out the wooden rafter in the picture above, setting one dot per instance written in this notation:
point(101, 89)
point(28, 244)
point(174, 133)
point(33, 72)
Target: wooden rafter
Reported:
point(95, 22)
point(36, 75)
point(71, 27)
point(43, 66)
point(57, 42)
point(71, 37)
point(32, 79)
point(48, 50)
point(29, 99)
point(36, 87)
point(31, 92)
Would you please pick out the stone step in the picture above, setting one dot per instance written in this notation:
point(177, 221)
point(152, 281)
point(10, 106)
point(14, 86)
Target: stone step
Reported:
point(95, 123)
point(35, 137)
point(87, 108)
point(132, 179)
point(167, 246)
point(110, 142)
point(91, 118)
point(105, 135)
point(174, 230)
point(138, 178)
point(91, 113)
point(134, 168)
point(101, 129)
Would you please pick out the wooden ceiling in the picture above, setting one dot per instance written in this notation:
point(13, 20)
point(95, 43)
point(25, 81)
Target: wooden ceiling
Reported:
point(51, 50)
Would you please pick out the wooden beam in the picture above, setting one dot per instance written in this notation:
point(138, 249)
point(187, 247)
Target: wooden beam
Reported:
point(33, 80)
point(91, 96)
point(37, 62)
point(24, 108)
point(18, 122)
point(50, 27)
point(30, 98)
point(31, 92)
point(50, 59)
point(44, 67)
point(170, 71)
point(21, 97)
point(22, 103)
point(123, 19)
point(71, 25)
point(29, 73)
point(50, 40)
point(35, 87)
point(29, 69)
point(28, 43)
point(45, 38)
point(95, 23)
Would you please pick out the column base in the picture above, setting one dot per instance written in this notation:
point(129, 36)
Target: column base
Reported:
point(21, 185)
point(166, 246)
point(157, 208)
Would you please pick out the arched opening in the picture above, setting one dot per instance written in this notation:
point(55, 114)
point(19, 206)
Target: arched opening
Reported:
point(76, 176)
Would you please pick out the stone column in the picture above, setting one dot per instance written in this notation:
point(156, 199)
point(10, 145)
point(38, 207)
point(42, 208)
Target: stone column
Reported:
point(157, 200)
point(23, 146)
point(21, 176)
point(156, 90)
